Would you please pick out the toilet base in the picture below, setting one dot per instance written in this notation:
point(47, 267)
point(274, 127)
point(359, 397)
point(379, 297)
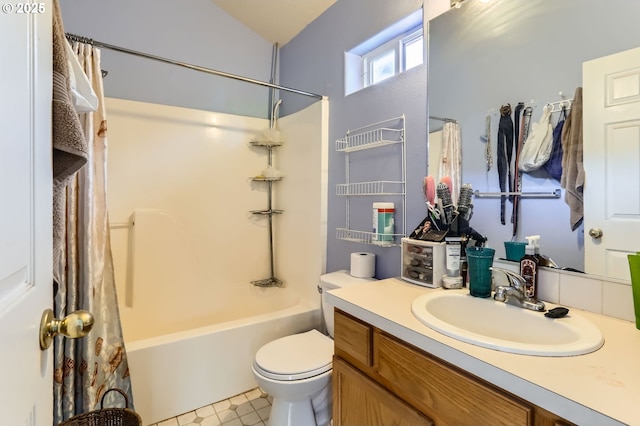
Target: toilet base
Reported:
point(284, 413)
point(300, 402)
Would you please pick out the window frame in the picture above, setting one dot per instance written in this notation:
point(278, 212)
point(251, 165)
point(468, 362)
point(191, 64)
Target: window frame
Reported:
point(397, 45)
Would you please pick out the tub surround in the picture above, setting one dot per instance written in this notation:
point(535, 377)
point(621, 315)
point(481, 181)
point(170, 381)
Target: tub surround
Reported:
point(191, 319)
point(597, 388)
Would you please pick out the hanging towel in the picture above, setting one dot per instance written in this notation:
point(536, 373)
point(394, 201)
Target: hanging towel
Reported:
point(572, 179)
point(84, 98)
point(68, 142)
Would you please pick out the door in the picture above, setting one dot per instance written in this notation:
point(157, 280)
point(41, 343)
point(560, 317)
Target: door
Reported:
point(25, 212)
point(611, 125)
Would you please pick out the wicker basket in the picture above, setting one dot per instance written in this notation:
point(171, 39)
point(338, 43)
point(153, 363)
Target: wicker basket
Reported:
point(107, 416)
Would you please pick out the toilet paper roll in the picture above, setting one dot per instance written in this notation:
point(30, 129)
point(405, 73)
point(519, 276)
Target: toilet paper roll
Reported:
point(363, 265)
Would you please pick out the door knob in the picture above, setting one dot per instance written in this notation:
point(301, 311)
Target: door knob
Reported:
point(595, 233)
point(76, 324)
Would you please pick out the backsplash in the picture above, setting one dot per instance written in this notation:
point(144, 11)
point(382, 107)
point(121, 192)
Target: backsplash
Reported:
point(600, 295)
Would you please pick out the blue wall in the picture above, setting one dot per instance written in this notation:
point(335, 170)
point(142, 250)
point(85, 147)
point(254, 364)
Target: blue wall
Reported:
point(196, 32)
point(314, 61)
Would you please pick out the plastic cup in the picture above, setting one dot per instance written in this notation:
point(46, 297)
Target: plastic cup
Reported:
point(634, 268)
point(514, 250)
point(479, 262)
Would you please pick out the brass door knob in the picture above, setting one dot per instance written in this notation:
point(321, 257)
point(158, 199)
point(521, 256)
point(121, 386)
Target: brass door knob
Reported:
point(76, 324)
point(595, 233)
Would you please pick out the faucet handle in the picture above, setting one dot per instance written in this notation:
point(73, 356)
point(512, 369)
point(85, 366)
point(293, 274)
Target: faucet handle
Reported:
point(515, 280)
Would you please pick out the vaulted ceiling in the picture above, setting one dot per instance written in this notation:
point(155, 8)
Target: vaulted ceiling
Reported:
point(277, 21)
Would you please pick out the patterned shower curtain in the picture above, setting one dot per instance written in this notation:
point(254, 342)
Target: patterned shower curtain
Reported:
point(87, 367)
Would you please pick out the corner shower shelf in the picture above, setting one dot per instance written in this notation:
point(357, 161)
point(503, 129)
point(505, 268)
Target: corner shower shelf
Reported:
point(266, 178)
point(269, 144)
point(266, 212)
point(266, 143)
point(373, 136)
point(268, 282)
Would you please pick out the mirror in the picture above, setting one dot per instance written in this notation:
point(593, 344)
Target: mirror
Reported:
point(489, 53)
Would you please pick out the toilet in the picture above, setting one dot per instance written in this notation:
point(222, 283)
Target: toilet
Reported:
point(296, 370)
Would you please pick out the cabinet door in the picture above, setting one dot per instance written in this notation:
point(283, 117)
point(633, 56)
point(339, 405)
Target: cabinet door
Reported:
point(447, 394)
point(359, 401)
point(352, 340)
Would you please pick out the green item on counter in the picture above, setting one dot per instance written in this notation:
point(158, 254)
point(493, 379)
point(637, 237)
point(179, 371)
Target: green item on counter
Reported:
point(634, 268)
point(514, 250)
point(479, 262)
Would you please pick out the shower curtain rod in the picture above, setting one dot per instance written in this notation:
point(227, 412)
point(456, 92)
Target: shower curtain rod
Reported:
point(447, 120)
point(82, 39)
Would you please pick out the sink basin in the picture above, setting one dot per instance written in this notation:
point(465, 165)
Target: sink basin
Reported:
point(504, 327)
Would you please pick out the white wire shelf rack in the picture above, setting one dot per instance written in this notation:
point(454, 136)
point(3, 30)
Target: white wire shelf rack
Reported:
point(370, 139)
point(371, 188)
point(385, 132)
point(385, 240)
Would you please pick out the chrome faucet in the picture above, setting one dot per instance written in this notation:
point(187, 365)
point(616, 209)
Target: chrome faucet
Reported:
point(515, 292)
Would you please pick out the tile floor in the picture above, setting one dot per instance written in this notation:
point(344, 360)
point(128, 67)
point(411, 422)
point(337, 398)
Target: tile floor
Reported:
point(247, 409)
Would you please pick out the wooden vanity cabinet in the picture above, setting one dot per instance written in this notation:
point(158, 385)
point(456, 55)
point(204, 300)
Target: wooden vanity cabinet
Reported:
point(381, 380)
point(364, 402)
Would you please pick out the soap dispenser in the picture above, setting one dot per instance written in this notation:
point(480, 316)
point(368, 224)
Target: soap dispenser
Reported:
point(529, 266)
point(543, 260)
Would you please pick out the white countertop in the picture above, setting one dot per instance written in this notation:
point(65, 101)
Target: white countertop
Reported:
point(600, 388)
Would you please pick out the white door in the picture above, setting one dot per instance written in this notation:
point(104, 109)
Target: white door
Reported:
point(611, 125)
point(25, 212)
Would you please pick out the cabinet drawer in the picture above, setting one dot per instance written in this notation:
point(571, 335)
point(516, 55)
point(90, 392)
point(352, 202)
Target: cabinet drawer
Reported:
point(362, 402)
point(352, 339)
point(443, 392)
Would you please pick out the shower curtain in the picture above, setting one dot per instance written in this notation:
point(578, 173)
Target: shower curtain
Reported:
point(83, 275)
point(451, 159)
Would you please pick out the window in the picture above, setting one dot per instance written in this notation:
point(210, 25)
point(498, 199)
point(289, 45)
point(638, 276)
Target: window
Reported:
point(389, 53)
point(382, 67)
point(413, 47)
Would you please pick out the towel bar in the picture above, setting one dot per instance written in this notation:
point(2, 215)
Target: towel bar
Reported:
point(553, 194)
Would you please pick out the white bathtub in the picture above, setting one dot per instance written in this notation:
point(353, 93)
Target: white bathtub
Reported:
point(179, 372)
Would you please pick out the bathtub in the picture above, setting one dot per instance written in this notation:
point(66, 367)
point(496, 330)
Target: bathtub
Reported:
point(190, 335)
point(178, 372)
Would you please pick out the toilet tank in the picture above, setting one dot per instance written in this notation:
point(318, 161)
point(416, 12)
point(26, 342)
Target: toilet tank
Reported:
point(332, 281)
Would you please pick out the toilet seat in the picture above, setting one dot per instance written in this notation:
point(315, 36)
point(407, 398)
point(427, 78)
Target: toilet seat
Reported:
point(295, 357)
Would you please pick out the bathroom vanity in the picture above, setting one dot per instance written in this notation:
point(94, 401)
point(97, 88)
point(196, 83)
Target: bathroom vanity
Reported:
point(389, 368)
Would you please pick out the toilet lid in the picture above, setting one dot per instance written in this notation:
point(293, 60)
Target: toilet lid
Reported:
point(295, 357)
